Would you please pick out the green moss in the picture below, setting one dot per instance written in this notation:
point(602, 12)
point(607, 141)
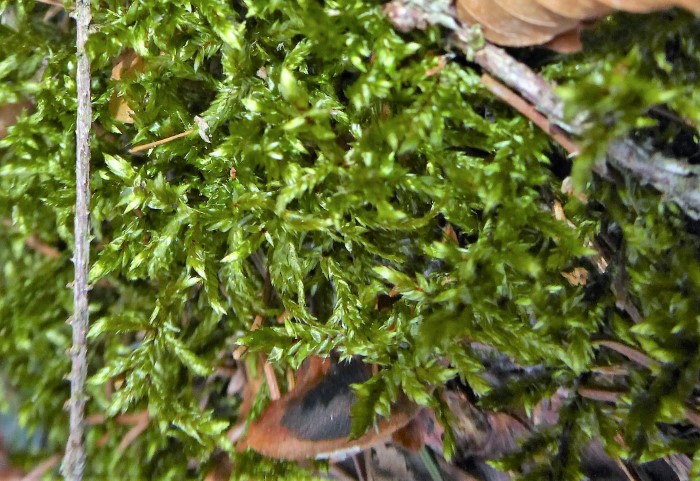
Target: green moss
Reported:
point(349, 158)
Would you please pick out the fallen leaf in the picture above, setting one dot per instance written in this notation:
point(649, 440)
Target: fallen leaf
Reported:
point(577, 277)
point(554, 23)
point(9, 113)
point(126, 66)
point(313, 420)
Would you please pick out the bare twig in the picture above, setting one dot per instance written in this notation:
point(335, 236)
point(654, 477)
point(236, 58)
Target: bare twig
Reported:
point(613, 396)
point(519, 104)
point(692, 415)
point(599, 394)
point(529, 84)
point(630, 353)
point(33, 242)
point(679, 181)
point(74, 459)
point(150, 145)
point(36, 244)
point(271, 379)
point(134, 432)
point(42, 468)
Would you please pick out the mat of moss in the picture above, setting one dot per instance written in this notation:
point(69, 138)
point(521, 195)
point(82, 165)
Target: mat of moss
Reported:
point(339, 155)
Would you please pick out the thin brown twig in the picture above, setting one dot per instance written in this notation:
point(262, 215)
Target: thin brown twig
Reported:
point(270, 378)
point(529, 111)
point(75, 457)
point(123, 419)
point(692, 415)
point(156, 143)
point(607, 395)
point(625, 469)
point(610, 370)
point(368, 465)
point(599, 394)
point(33, 242)
point(42, 468)
point(358, 467)
point(630, 353)
point(133, 433)
point(529, 84)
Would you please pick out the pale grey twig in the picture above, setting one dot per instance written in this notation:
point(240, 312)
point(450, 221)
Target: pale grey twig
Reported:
point(75, 458)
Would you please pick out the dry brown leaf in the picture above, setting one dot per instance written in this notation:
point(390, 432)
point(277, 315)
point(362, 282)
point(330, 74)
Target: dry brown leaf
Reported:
point(449, 234)
point(508, 29)
point(442, 63)
point(424, 429)
point(127, 65)
point(120, 109)
point(554, 23)
point(10, 112)
point(577, 277)
point(567, 42)
point(304, 423)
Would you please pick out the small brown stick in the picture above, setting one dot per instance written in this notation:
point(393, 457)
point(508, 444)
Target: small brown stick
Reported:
point(241, 350)
point(610, 370)
point(693, 416)
point(134, 432)
point(625, 470)
point(123, 419)
point(42, 468)
point(139, 422)
point(519, 104)
point(291, 379)
point(358, 468)
point(33, 242)
point(156, 143)
point(599, 394)
point(606, 395)
point(520, 77)
point(95, 419)
point(630, 353)
point(132, 419)
point(270, 378)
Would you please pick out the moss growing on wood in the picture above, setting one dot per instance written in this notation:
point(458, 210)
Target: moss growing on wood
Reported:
point(341, 153)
